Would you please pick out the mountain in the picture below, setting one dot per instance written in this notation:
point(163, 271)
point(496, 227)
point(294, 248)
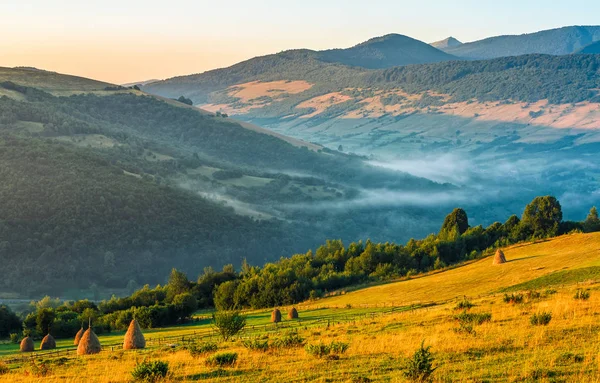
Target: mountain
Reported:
point(560, 41)
point(449, 42)
point(386, 51)
point(593, 48)
point(105, 186)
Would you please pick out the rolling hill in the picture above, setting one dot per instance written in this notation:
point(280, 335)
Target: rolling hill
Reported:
point(449, 42)
point(560, 41)
point(564, 260)
point(120, 186)
point(385, 52)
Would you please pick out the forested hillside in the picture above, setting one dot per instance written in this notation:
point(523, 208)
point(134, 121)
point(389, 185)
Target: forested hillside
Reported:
point(560, 41)
point(109, 188)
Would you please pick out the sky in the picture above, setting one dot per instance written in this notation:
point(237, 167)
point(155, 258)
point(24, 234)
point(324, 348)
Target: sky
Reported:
point(134, 40)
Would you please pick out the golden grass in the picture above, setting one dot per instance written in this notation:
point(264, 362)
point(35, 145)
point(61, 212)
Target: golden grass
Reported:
point(525, 262)
point(506, 349)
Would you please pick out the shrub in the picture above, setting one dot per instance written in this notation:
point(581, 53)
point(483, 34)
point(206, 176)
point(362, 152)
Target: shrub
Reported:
point(222, 359)
point(513, 298)
point(202, 348)
point(582, 295)
point(532, 294)
point(292, 339)
point(229, 323)
point(541, 319)
point(3, 368)
point(150, 371)
point(419, 368)
point(339, 347)
point(326, 350)
point(465, 304)
point(256, 344)
point(318, 350)
point(15, 338)
point(473, 318)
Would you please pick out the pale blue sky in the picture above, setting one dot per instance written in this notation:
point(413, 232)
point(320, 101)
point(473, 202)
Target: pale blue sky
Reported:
point(133, 40)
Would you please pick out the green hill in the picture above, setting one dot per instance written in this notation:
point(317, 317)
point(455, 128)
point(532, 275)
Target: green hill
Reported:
point(386, 51)
point(108, 186)
point(560, 41)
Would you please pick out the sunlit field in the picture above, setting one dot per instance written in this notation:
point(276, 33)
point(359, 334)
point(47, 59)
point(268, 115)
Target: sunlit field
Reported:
point(505, 345)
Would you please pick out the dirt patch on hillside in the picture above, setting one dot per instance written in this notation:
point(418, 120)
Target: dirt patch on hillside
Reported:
point(251, 91)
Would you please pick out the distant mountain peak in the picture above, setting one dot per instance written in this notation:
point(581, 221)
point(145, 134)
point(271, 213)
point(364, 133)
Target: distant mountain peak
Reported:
point(448, 42)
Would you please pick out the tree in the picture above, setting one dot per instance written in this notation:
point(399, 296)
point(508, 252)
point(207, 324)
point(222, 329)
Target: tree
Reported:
point(44, 320)
point(592, 222)
point(185, 305)
point(178, 284)
point(229, 323)
point(543, 215)
point(224, 294)
point(458, 218)
point(9, 322)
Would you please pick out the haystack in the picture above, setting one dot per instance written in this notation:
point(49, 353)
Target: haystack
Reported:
point(293, 313)
point(499, 258)
point(27, 344)
point(78, 336)
point(89, 343)
point(48, 343)
point(276, 316)
point(134, 339)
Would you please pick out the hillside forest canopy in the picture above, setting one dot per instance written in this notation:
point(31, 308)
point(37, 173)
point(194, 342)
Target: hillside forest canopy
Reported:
point(333, 266)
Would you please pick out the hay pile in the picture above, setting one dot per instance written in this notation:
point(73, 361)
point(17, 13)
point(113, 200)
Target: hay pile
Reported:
point(293, 313)
point(78, 336)
point(89, 343)
point(499, 258)
point(134, 339)
point(48, 343)
point(276, 316)
point(27, 345)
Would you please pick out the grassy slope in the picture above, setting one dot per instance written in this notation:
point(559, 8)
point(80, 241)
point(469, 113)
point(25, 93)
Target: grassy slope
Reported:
point(526, 262)
point(508, 348)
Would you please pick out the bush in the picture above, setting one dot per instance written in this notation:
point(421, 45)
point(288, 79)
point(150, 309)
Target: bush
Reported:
point(3, 368)
point(541, 319)
point(582, 295)
point(256, 345)
point(419, 368)
point(200, 349)
point(513, 298)
point(222, 359)
point(292, 339)
point(339, 347)
point(150, 371)
point(229, 323)
point(464, 305)
point(318, 350)
point(473, 318)
point(325, 350)
point(15, 338)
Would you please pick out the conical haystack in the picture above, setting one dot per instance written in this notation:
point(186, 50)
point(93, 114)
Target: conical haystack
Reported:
point(293, 313)
point(78, 336)
point(134, 339)
point(48, 343)
point(27, 345)
point(89, 343)
point(276, 316)
point(499, 258)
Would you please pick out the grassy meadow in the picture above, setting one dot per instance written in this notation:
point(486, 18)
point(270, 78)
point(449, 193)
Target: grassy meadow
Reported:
point(491, 341)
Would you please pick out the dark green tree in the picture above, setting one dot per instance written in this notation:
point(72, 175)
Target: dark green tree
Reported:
point(592, 222)
point(9, 322)
point(543, 215)
point(224, 295)
point(178, 284)
point(458, 218)
point(44, 320)
point(185, 304)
